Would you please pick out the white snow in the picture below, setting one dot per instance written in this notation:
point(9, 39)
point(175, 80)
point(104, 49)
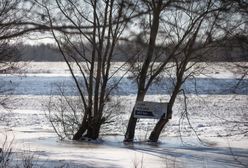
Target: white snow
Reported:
point(210, 116)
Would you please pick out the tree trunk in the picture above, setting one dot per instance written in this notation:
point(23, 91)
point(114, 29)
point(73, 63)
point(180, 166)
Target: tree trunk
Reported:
point(129, 135)
point(81, 130)
point(93, 131)
point(142, 89)
point(130, 128)
point(164, 119)
point(157, 129)
point(92, 126)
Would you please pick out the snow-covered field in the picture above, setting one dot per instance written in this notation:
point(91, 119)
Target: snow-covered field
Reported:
point(217, 113)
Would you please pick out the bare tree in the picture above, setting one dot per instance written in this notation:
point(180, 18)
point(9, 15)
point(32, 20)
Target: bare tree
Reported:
point(188, 30)
point(148, 72)
point(143, 80)
point(89, 51)
point(203, 41)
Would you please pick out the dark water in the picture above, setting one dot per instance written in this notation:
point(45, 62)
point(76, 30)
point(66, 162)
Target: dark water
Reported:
point(43, 85)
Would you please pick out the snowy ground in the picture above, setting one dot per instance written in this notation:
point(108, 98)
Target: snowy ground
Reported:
point(215, 117)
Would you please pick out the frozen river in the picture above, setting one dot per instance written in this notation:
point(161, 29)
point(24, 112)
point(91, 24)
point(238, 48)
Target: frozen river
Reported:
point(48, 85)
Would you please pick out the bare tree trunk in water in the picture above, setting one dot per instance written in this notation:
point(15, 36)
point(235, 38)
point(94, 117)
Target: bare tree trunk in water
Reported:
point(188, 50)
point(142, 88)
point(93, 131)
point(164, 119)
point(81, 130)
point(129, 135)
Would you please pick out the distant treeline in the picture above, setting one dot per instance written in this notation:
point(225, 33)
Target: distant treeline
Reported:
point(227, 51)
point(49, 53)
point(39, 53)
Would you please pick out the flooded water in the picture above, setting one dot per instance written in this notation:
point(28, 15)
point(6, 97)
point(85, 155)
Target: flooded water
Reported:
point(169, 151)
